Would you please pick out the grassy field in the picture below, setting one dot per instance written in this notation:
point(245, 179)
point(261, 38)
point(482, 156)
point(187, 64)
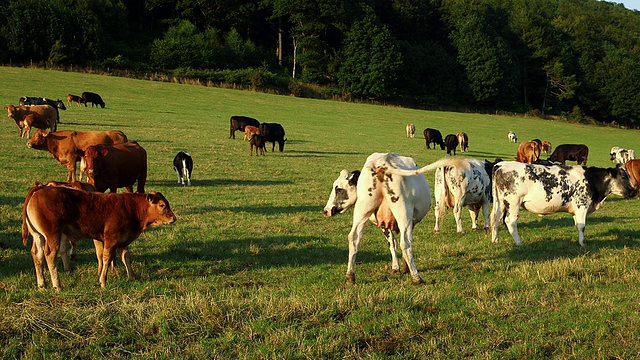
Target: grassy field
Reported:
point(253, 270)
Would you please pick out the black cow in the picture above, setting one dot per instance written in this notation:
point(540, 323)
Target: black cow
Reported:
point(573, 152)
point(272, 132)
point(239, 122)
point(451, 143)
point(33, 100)
point(433, 136)
point(93, 98)
point(183, 165)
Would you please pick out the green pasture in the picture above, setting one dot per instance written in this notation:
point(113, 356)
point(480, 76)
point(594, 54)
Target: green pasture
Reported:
point(253, 270)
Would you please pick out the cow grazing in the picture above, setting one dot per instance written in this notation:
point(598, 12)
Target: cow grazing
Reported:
point(528, 152)
point(250, 130)
point(54, 214)
point(396, 201)
point(239, 123)
point(621, 156)
point(38, 116)
point(257, 142)
point(463, 141)
point(64, 145)
point(75, 99)
point(411, 130)
point(93, 98)
point(115, 166)
point(272, 132)
point(433, 136)
point(546, 147)
point(572, 152)
point(512, 137)
point(183, 165)
point(451, 143)
point(633, 168)
point(544, 190)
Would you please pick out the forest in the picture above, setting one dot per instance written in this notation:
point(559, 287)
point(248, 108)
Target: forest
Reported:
point(577, 59)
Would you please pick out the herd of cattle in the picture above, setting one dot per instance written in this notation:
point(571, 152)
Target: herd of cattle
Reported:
point(393, 193)
point(258, 134)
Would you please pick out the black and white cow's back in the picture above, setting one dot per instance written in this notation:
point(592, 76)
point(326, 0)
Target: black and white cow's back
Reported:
point(183, 166)
point(545, 190)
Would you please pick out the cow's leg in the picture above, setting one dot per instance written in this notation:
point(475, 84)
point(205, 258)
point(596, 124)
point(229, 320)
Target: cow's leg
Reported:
point(83, 167)
point(126, 260)
point(179, 177)
point(52, 245)
point(474, 211)
point(354, 241)
point(98, 245)
point(440, 197)
point(406, 237)
point(188, 176)
point(496, 216)
point(391, 239)
point(108, 255)
point(457, 214)
point(511, 220)
point(37, 254)
point(580, 220)
point(66, 263)
point(485, 213)
point(71, 170)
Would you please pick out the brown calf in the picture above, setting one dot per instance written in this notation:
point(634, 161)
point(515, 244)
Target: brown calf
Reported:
point(74, 98)
point(250, 130)
point(38, 116)
point(528, 152)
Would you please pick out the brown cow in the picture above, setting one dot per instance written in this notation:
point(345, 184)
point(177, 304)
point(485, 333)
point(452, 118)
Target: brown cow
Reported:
point(74, 98)
point(546, 147)
point(528, 152)
point(463, 141)
point(633, 168)
point(250, 130)
point(54, 214)
point(115, 166)
point(63, 145)
point(258, 142)
point(38, 116)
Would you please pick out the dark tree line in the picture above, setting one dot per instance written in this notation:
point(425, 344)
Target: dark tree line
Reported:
point(565, 57)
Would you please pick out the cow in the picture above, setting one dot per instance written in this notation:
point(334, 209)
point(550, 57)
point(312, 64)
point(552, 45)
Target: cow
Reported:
point(451, 143)
point(459, 183)
point(76, 99)
point(621, 156)
point(543, 190)
point(63, 145)
point(397, 202)
point(55, 214)
point(250, 130)
point(115, 166)
point(573, 152)
point(513, 138)
point(633, 168)
point(528, 152)
point(546, 147)
point(183, 166)
point(272, 132)
point(32, 100)
point(433, 136)
point(38, 116)
point(257, 141)
point(93, 98)
point(238, 122)
point(411, 130)
point(463, 141)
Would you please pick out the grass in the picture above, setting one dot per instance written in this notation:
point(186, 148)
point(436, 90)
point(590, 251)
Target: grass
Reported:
point(253, 270)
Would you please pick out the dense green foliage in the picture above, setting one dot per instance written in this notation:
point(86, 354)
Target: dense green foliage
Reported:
point(575, 58)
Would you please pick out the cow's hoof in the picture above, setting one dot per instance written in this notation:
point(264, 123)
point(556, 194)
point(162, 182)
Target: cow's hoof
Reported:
point(417, 280)
point(436, 231)
point(351, 278)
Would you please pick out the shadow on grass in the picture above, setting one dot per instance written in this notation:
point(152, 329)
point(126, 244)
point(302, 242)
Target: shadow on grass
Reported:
point(218, 182)
point(325, 152)
point(262, 210)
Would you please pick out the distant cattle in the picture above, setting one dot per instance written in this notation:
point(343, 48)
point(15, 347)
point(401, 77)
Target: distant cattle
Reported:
point(116, 220)
point(451, 143)
point(397, 202)
point(115, 166)
point(633, 168)
point(546, 147)
point(239, 123)
point(38, 116)
point(528, 152)
point(273, 133)
point(64, 145)
point(257, 142)
point(32, 100)
point(93, 98)
point(512, 137)
point(545, 190)
point(433, 136)
point(250, 130)
point(183, 166)
point(572, 152)
point(75, 99)
point(463, 141)
point(621, 156)
point(411, 130)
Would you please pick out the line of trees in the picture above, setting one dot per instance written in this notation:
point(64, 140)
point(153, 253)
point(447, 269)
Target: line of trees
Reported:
point(578, 58)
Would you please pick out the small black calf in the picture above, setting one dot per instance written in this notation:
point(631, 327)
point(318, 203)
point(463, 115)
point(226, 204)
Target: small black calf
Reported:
point(183, 165)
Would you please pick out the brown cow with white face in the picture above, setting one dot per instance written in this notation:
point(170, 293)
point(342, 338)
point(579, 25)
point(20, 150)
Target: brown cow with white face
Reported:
point(55, 214)
point(115, 166)
point(64, 145)
point(38, 116)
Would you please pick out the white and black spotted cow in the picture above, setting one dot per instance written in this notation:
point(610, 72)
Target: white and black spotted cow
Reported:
point(459, 183)
point(183, 166)
point(393, 202)
point(544, 190)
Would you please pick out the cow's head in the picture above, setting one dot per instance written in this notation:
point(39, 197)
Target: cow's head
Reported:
point(10, 110)
point(621, 183)
point(343, 194)
point(159, 211)
point(60, 105)
point(281, 145)
point(92, 156)
point(38, 140)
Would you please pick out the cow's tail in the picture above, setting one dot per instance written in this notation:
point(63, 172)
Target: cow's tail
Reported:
point(185, 171)
point(455, 162)
point(25, 228)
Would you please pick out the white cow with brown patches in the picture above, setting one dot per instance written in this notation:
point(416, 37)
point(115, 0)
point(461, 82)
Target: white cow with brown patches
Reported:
point(393, 202)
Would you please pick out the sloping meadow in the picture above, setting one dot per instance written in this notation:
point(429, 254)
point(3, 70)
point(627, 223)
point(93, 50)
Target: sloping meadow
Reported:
point(252, 268)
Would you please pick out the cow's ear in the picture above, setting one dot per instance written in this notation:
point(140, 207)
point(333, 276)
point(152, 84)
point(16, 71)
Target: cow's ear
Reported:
point(353, 177)
point(344, 174)
point(80, 152)
point(103, 152)
point(152, 198)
